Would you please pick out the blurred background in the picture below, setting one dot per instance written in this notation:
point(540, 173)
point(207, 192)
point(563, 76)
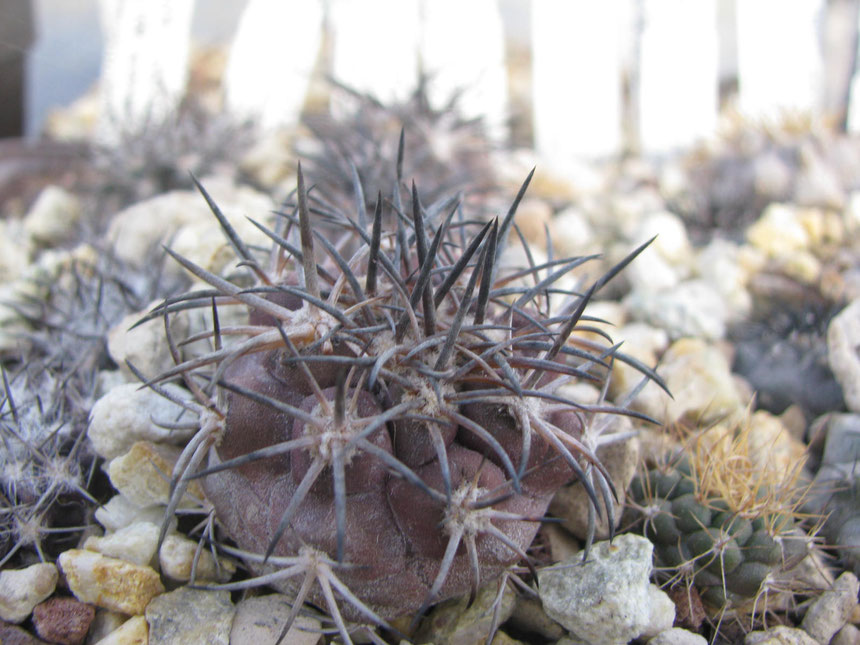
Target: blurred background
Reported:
point(571, 78)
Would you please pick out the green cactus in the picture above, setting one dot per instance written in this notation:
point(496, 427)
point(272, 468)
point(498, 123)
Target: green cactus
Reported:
point(720, 524)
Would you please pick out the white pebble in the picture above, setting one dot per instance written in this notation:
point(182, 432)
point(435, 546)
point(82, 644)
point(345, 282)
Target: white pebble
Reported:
point(843, 338)
point(127, 414)
point(110, 583)
point(23, 589)
point(135, 543)
point(176, 557)
point(120, 512)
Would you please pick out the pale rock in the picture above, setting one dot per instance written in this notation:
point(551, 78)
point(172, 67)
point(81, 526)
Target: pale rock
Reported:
point(848, 635)
point(817, 183)
point(145, 346)
point(176, 557)
point(773, 176)
point(779, 231)
point(832, 609)
point(110, 583)
point(571, 503)
point(260, 620)
point(142, 475)
point(562, 545)
point(529, 617)
point(824, 227)
point(644, 343)
point(15, 251)
point(533, 218)
point(136, 543)
point(134, 631)
point(581, 392)
point(270, 162)
point(23, 589)
point(780, 635)
point(772, 447)
point(843, 338)
point(53, 217)
point(137, 232)
point(700, 379)
point(719, 265)
point(629, 209)
point(120, 512)
point(662, 613)
point(609, 317)
point(128, 413)
point(514, 259)
point(668, 259)
point(607, 599)
point(452, 623)
point(573, 234)
point(690, 308)
point(678, 636)
point(108, 380)
point(104, 623)
point(801, 265)
point(204, 244)
point(851, 214)
point(190, 617)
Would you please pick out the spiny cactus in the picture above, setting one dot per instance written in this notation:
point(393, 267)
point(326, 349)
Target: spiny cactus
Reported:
point(392, 421)
point(48, 387)
point(449, 154)
point(722, 523)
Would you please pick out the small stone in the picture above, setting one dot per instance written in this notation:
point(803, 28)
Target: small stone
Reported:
point(104, 623)
point(127, 414)
point(677, 636)
point(832, 609)
point(136, 232)
point(668, 259)
point(532, 216)
point(260, 620)
point(53, 217)
point(772, 448)
point(645, 343)
point(142, 475)
point(848, 635)
point(452, 623)
point(134, 631)
point(119, 512)
point(23, 589)
point(779, 232)
point(690, 308)
point(176, 558)
point(662, 613)
point(529, 617)
point(719, 264)
point(63, 620)
point(144, 346)
point(136, 543)
point(843, 340)
point(780, 635)
point(701, 382)
point(571, 503)
point(13, 635)
point(573, 235)
point(605, 600)
point(15, 250)
point(108, 582)
point(190, 617)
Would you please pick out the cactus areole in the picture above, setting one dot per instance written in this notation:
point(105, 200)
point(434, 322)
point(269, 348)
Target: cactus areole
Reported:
point(393, 423)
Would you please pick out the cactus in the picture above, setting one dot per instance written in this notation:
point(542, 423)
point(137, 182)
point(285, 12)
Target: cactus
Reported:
point(721, 522)
point(392, 423)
